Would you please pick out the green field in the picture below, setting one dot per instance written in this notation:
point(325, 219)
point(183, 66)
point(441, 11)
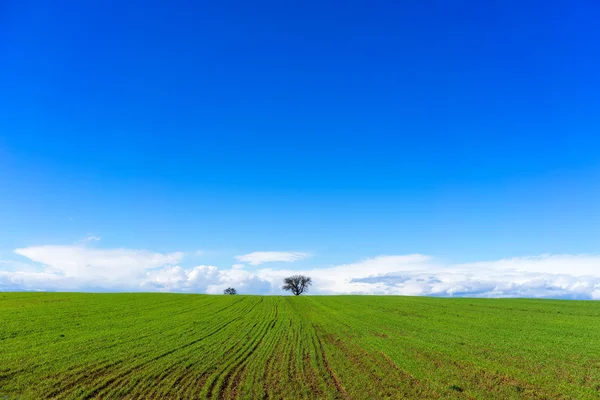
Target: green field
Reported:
point(67, 345)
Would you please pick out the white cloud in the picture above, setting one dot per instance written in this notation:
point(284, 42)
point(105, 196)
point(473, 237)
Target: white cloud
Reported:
point(556, 276)
point(80, 267)
point(91, 267)
point(205, 279)
point(171, 279)
point(90, 238)
point(260, 257)
point(564, 276)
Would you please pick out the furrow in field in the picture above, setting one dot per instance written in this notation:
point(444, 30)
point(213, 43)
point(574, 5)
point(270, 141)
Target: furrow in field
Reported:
point(75, 373)
point(191, 379)
point(134, 346)
point(198, 360)
point(122, 376)
point(267, 369)
point(332, 375)
point(85, 374)
point(245, 348)
point(231, 381)
point(374, 374)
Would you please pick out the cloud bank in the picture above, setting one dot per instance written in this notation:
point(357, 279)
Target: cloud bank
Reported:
point(260, 257)
point(81, 268)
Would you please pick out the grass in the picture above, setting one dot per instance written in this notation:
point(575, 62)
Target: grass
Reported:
point(68, 345)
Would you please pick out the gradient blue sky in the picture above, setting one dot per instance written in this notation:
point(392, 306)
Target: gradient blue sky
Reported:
point(461, 130)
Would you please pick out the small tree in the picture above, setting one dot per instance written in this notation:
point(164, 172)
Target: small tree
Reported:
point(297, 284)
point(229, 290)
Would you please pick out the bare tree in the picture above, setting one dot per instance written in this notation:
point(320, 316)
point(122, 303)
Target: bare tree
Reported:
point(298, 284)
point(230, 290)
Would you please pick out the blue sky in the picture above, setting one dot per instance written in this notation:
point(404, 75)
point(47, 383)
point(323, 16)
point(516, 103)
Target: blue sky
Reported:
point(322, 135)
